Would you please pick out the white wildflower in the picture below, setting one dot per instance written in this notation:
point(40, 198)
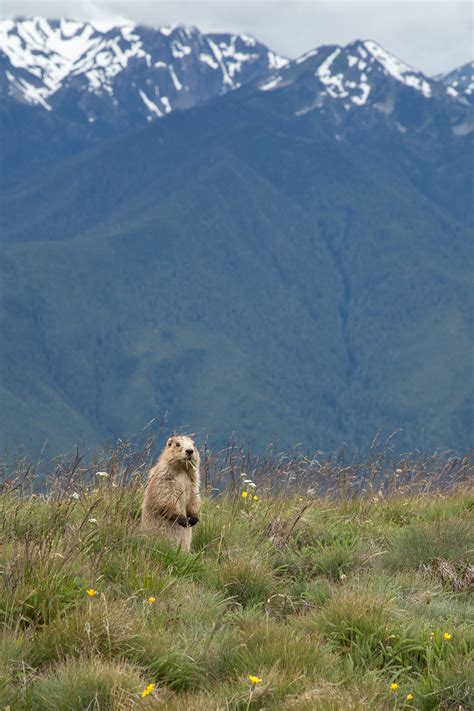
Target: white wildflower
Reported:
point(74, 495)
point(93, 520)
point(101, 474)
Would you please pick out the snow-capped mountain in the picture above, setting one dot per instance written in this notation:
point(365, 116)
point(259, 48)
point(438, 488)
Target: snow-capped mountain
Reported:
point(362, 85)
point(140, 70)
point(67, 85)
point(460, 82)
point(122, 74)
point(353, 74)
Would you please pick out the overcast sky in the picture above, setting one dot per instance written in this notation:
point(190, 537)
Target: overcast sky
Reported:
point(433, 36)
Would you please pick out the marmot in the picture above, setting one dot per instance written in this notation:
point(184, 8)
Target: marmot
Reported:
point(171, 504)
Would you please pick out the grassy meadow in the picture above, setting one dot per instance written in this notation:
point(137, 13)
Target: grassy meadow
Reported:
point(313, 583)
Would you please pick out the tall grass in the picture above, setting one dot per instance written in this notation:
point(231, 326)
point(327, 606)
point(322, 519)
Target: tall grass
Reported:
point(344, 576)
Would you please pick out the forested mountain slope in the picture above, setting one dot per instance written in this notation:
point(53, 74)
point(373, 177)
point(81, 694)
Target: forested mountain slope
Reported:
point(272, 263)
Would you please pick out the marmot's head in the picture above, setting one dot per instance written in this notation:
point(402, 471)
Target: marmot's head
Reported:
point(181, 451)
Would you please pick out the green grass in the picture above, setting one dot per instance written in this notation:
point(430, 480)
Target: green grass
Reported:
point(328, 603)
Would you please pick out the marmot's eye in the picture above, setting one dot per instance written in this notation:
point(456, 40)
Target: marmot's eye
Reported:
point(178, 444)
point(169, 444)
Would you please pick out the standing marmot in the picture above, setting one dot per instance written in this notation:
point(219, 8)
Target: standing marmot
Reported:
point(171, 503)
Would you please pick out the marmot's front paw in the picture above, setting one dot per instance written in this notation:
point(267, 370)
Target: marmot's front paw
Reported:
point(193, 520)
point(183, 521)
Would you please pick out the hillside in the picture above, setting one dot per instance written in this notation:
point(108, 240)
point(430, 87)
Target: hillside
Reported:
point(290, 599)
point(307, 291)
point(291, 261)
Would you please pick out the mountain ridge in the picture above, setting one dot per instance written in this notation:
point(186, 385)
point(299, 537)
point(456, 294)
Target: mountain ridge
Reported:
point(47, 59)
point(334, 81)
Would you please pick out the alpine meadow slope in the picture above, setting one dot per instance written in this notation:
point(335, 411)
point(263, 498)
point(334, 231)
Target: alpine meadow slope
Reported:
point(351, 594)
point(291, 261)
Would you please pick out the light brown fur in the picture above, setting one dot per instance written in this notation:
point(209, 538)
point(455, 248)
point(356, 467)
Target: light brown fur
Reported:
point(172, 502)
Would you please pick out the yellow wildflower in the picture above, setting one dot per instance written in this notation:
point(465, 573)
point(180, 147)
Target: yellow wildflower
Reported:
point(394, 686)
point(409, 697)
point(255, 679)
point(151, 599)
point(447, 635)
point(245, 494)
point(255, 498)
point(147, 691)
point(91, 592)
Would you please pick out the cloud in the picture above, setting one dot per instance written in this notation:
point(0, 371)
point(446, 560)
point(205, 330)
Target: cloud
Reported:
point(433, 35)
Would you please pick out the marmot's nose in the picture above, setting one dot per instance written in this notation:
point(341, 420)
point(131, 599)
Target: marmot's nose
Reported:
point(190, 451)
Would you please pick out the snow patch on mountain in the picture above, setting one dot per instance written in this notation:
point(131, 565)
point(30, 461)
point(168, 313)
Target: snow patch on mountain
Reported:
point(460, 82)
point(180, 50)
point(209, 60)
point(333, 82)
point(275, 61)
point(220, 63)
point(397, 69)
point(151, 106)
point(307, 55)
point(272, 84)
point(177, 84)
point(168, 30)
